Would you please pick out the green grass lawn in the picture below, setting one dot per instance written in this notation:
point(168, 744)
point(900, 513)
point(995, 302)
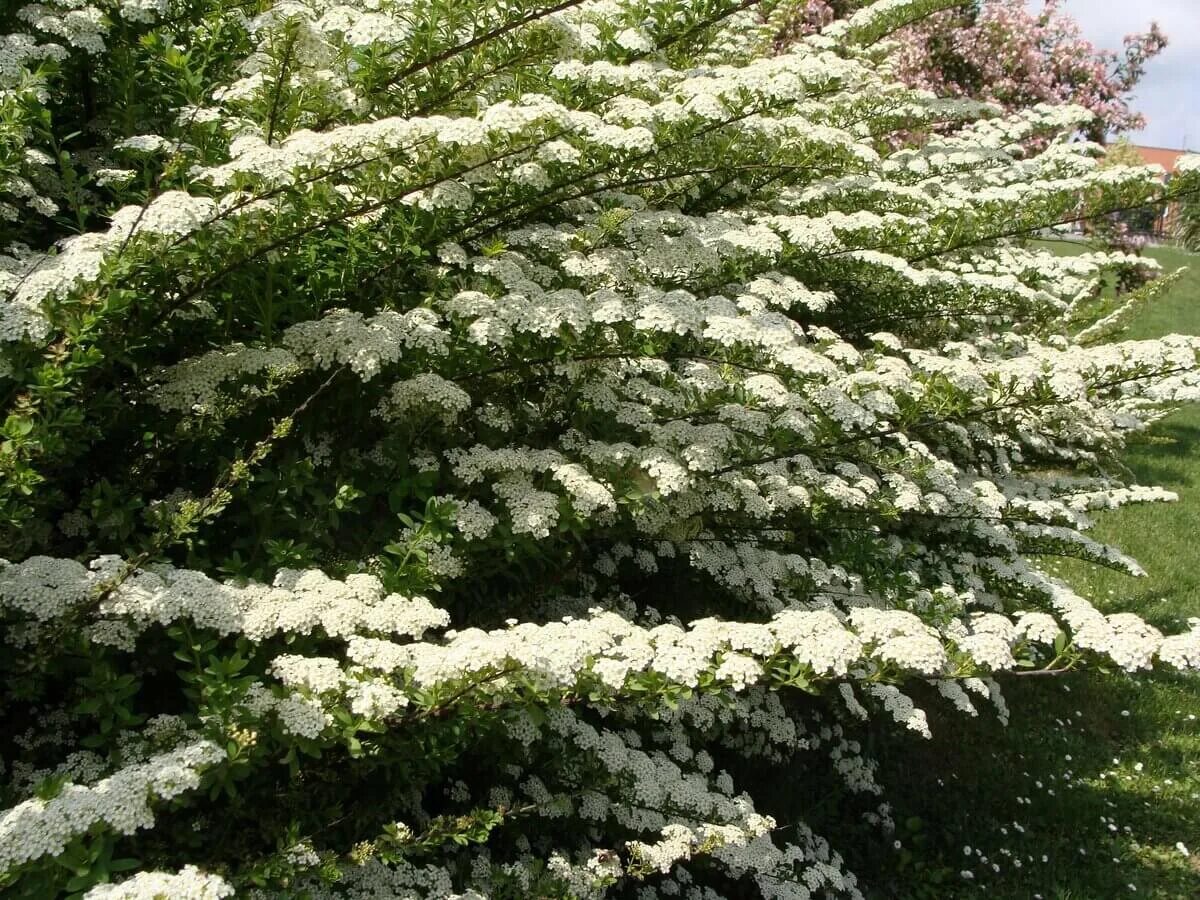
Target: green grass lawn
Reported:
point(1097, 778)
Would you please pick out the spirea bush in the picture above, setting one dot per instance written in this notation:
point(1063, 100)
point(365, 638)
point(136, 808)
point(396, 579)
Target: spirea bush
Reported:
point(477, 449)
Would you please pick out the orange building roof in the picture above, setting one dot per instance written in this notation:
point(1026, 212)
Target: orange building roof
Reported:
point(1161, 155)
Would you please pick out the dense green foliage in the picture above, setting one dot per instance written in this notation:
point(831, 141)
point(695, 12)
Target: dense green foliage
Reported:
point(486, 450)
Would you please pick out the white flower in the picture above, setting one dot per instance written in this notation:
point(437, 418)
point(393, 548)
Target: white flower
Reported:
point(189, 883)
point(633, 40)
point(37, 828)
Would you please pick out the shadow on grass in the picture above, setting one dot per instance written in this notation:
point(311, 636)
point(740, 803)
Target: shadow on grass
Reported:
point(1169, 456)
point(1064, 776)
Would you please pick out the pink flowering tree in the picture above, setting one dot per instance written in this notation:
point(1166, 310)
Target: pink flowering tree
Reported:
point(1005, 52)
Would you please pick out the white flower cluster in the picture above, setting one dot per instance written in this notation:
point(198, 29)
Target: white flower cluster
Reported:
point(1182, 650)
point(298, 602)
point(195, 384)
point(1189, 162)
point(44, 587)
point(677, 796)
point(122, 802)
point(365, 345)
point(79, 260)
point(471, 520)
point(81, 25)
point(607, 647)
point(425, 394)
point(189, 883)
point(1124, 637)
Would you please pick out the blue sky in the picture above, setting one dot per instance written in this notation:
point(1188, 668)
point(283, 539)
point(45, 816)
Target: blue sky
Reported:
point(1169, 95)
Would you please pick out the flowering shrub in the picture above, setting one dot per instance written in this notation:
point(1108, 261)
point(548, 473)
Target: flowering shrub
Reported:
point(451, 450)
point(1004, 51)
point(1187, 217)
